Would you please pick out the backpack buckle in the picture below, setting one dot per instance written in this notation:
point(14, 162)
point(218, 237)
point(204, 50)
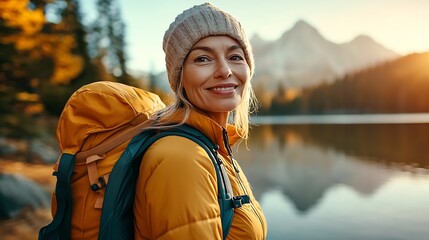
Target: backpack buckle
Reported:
point(238, 201)
point(99, 185)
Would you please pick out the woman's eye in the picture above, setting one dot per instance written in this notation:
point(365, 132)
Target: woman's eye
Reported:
point(202, 59)
point(236, 58)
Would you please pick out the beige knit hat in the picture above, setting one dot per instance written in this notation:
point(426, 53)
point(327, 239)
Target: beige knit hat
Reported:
point(193, 25)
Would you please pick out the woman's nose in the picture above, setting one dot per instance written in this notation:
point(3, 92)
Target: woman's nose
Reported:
point(223, 70)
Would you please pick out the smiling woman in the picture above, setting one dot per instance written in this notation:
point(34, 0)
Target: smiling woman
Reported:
point(209, 63)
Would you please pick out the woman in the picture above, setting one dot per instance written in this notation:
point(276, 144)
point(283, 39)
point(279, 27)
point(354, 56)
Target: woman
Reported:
point(209, 63)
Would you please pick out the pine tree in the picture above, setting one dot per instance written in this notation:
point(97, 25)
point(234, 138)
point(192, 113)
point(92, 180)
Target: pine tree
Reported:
point(108, 39)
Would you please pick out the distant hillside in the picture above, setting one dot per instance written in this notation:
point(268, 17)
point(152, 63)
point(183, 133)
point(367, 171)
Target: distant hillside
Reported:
point(398, 86)
point(302, 57)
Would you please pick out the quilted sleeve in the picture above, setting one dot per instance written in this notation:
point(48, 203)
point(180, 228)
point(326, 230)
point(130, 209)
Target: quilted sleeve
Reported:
point(176, 195)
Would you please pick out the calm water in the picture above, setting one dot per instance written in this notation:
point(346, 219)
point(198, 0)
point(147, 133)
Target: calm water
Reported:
point(341, 181)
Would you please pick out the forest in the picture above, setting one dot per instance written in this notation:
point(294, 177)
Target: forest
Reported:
point(399, 86)
point(48, 53)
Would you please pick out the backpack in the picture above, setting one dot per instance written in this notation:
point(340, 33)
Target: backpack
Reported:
point(102, 133)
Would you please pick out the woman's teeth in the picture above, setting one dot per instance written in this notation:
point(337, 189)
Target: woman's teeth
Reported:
point(223, 88)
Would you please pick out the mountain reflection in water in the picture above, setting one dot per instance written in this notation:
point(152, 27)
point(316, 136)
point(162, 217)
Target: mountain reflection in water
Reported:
point(314, 181)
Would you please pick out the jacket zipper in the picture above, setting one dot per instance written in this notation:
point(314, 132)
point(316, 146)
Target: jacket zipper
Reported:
point(237, 175)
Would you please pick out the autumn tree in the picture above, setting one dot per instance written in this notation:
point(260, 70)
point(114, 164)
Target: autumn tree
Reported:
point(21, 68)
point(40, 60)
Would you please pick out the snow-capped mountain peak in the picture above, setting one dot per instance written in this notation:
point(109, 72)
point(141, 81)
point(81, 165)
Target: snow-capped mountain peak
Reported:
point(303, 57)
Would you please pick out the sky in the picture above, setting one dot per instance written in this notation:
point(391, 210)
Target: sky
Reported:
point(399, 25)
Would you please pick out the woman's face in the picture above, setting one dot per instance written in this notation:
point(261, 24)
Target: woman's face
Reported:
point(215, 74)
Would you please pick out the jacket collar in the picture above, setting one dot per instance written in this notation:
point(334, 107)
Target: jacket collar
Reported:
point(208, 127)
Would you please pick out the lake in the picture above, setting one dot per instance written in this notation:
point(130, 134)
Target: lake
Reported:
point(336, 177)
point(339, 177)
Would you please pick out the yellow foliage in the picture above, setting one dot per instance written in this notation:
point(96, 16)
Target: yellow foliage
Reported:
point(27, 97)
point(24, 43)
point(67, 64)
point(15, 13)
point(67, 67)
point(59, 47)
point(34, 108)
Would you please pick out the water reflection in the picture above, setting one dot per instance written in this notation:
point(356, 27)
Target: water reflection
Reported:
point(331, 173)
point(395, 143)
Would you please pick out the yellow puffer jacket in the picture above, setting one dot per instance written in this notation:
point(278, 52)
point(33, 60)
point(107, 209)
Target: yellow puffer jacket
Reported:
point(176, 195)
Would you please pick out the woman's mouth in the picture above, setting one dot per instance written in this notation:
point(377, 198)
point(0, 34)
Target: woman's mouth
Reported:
point(224, 88)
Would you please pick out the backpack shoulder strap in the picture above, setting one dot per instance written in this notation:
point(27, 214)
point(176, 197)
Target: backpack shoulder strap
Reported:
point(60, 226)
point(117, 218)
point(226, 200)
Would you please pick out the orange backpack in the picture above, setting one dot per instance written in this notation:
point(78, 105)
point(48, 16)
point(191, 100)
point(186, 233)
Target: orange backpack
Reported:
point(94, 114)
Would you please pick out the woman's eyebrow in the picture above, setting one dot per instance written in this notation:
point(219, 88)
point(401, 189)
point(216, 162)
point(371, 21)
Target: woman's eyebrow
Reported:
point(203, 48)
point(234, 47)
point(209, 49)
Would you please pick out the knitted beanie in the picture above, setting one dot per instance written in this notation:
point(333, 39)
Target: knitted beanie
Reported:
point(193, 25)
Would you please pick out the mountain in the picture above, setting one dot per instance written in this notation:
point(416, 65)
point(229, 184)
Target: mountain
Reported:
point(302, 57)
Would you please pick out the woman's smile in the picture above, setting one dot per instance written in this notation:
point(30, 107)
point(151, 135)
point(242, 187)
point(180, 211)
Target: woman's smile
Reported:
point(223, 89)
